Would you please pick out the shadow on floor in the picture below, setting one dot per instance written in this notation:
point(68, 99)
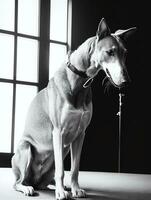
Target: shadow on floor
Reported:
point(119, 195)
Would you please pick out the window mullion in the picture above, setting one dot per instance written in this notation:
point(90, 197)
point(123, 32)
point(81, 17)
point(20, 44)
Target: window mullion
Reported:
point(44, 44)
point(69, 24)
point(14, 77)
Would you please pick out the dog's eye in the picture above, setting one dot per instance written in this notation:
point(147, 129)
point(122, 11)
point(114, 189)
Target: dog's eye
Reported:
point(110, 52)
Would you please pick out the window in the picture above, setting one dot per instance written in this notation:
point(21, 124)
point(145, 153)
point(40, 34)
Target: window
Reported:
point(34, 38)
point(57, 54)
point(59, 37)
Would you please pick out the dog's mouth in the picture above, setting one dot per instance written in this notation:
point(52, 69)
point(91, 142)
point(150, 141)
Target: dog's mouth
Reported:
point(110, 79)
point(122, 86)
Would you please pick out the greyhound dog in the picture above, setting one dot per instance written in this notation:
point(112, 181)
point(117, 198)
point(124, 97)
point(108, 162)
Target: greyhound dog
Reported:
point(59, 114)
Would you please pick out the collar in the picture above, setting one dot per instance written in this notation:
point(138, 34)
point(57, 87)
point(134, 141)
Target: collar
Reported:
point(79, 72)
point(76, 71)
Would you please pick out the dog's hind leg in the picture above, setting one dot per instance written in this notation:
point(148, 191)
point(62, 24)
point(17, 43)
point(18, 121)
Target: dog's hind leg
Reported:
point(21, 167)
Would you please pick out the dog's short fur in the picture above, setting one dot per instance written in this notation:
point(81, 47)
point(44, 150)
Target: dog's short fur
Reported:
point(59, 115)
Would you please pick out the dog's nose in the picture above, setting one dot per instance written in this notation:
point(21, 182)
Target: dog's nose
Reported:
point(124, 86)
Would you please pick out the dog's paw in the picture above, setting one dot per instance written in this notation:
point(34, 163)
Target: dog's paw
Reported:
point(78, 193)
point(28, 190)
point(51, 187)
point(62, 194)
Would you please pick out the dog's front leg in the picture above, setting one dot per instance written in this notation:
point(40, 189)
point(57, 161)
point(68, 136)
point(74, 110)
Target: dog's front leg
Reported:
point(59, 168)
point(75, 149)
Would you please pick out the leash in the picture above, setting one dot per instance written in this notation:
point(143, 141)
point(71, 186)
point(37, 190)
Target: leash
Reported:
point(79, 72)
point(121, 96)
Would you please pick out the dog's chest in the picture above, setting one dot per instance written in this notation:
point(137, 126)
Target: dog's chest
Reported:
point(75, 122)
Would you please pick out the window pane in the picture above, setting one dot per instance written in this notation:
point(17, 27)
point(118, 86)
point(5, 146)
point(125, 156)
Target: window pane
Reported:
point(24, 96)
point(6, 55)
point(57, 56)
point(27, 69)
point(28, 17)
point(58, 20)
point(6, 91)
point(7, 8)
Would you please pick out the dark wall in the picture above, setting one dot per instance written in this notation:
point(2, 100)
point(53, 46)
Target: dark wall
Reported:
point(101, 143)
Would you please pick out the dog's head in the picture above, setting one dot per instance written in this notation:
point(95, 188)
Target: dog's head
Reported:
point(109, 53)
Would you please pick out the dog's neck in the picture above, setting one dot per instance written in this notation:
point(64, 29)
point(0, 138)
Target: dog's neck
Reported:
point(81, 60)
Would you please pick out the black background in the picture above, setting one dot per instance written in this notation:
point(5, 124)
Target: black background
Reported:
point(100, 150)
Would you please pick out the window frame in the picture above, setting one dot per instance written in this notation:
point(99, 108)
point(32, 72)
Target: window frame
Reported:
point(43, 59)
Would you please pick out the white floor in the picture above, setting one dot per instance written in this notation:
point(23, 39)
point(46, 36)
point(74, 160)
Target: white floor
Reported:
point(99, 186)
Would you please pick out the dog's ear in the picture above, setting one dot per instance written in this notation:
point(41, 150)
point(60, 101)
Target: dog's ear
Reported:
point(103, 30)
point(124, 34)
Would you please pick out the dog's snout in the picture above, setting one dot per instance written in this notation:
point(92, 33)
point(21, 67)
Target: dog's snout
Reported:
point(126, 80)
point(124, 86)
